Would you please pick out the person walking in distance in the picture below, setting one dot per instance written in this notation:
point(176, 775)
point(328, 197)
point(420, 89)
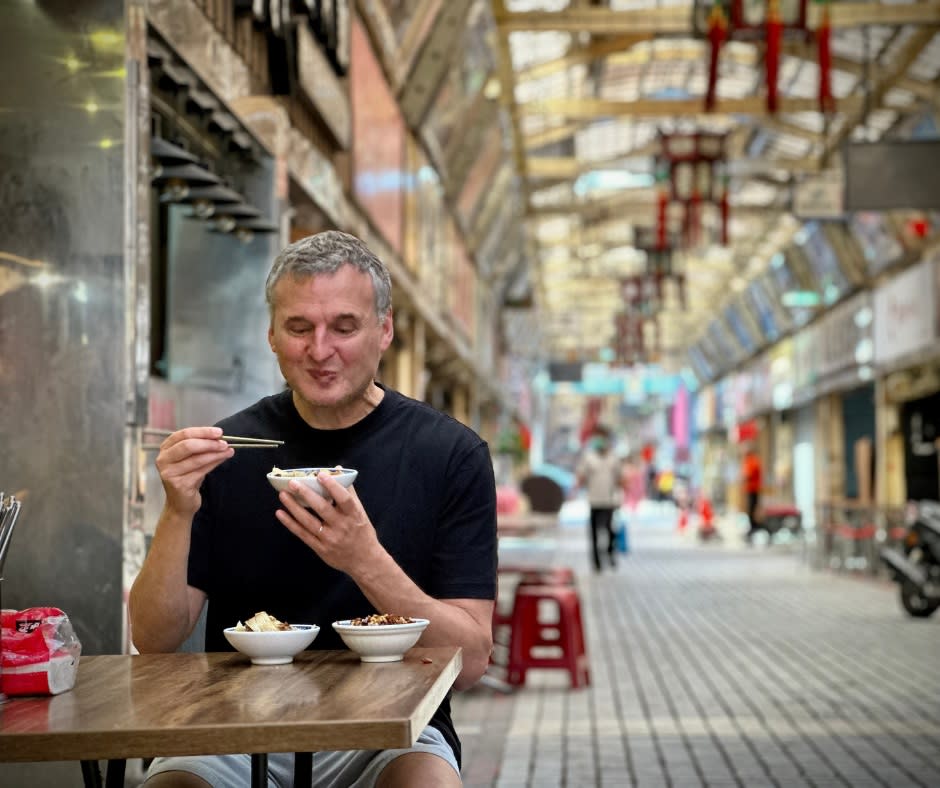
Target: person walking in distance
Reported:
point(751, 478)
point(599, 472)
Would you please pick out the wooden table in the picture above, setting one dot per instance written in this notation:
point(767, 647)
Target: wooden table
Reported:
point(205, 704)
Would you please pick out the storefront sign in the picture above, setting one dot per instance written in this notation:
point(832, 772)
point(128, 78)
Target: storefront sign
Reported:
point(905, 313)
point(846, 341)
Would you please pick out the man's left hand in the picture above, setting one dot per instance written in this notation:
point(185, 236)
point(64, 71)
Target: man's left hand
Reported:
point(339, 531)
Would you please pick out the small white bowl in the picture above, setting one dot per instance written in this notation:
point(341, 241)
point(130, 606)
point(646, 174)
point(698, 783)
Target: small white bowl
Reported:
point(382, 643)
point(346, 477)
point(273, 648)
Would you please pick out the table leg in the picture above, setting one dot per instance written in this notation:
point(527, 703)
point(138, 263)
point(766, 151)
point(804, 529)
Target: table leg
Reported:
point(303, 770)
point(259, 770)
point(115, 776)
point(91, 774)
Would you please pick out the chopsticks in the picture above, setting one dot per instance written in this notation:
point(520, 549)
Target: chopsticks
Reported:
point(9, 512)
point(235, 441)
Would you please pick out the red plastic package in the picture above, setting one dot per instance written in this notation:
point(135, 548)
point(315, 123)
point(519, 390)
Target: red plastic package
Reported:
point(40, 652)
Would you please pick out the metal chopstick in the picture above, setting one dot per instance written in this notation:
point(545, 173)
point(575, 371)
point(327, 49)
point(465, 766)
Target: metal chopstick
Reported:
point(157, 446)
point(8, 531)
point(231, 438)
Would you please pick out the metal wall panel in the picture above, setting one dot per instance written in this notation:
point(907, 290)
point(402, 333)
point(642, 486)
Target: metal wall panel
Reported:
point(63, 325)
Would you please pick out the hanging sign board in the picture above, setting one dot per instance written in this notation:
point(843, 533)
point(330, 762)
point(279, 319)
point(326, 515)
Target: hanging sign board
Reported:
point(820, 196)
point(892, 175)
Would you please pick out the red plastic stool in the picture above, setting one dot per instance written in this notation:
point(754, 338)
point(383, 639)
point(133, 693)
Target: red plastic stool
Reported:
point(541, 642)
point(550, 576)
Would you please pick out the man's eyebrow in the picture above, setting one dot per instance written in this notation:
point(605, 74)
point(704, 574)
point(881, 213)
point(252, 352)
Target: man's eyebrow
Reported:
point(334, 319)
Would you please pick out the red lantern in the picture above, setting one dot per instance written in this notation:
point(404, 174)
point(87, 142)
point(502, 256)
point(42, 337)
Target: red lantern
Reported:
point(749, 20)
point(662, 206)
point(694, 162)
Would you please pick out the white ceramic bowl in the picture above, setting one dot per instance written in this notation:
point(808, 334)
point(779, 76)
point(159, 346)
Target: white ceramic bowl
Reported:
point(346, 477)
point(383, 643)
point(273, 648)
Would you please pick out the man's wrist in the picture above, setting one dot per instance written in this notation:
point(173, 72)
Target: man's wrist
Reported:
point(369, 568)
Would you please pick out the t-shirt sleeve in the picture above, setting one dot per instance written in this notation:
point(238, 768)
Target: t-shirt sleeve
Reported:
point(465, 542)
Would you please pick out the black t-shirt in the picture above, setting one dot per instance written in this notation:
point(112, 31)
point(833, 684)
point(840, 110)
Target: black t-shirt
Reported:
point(425, 480)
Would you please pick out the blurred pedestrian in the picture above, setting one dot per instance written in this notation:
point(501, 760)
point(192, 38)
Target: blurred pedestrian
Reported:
point(752, 480)
point(599, 472)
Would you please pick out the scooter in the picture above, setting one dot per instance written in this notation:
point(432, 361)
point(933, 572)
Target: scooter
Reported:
point(917, 568)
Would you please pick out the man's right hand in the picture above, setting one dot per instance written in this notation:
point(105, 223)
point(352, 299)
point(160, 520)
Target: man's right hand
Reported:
point(185, 457)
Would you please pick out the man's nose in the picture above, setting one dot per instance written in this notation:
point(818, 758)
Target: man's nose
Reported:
point(320, 347)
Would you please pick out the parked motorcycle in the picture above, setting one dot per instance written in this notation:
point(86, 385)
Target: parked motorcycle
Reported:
point(917, 568)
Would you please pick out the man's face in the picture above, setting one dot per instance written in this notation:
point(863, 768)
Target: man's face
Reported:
point(327, 337)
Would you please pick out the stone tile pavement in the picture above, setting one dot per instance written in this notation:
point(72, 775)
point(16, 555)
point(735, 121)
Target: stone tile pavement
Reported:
point(716, 665)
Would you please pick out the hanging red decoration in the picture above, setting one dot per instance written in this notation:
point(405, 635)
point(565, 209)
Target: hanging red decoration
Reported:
point(772, 53)
point(717, 33)
point(827, 102)
point(762, 21)
point(662, 205)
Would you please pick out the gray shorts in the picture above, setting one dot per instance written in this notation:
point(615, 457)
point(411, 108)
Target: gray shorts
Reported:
point(339, 769)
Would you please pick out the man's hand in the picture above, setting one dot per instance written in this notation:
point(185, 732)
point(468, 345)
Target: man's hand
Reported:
point(340, 531)
point(185, 458)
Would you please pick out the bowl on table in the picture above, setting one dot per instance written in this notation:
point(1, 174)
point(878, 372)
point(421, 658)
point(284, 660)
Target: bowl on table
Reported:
point(281, 477)
point(272, 648)
point(381, 642)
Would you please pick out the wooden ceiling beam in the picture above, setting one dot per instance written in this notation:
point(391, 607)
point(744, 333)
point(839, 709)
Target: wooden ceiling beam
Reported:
point(790, 129)
point(600, 21)
point(859, 14)
point(563, 167)
point(550, 136)
point(678, 18)
point(688, 109)
point(599, 48)
point(571, 167)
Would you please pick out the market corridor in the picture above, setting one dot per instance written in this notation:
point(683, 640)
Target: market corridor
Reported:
point(718, 666)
